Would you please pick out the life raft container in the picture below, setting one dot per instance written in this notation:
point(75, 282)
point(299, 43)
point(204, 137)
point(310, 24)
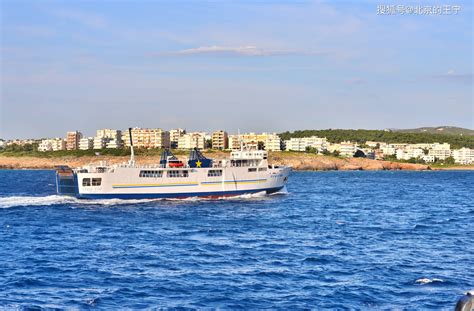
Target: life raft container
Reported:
point(176, 164)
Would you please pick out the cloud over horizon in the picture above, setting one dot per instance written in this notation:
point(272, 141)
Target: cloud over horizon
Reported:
point(248, 50)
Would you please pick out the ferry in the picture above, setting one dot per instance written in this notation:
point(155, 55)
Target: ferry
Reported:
point(246, 172)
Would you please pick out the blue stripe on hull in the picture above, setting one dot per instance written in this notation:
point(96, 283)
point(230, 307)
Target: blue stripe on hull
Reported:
point(173, 195)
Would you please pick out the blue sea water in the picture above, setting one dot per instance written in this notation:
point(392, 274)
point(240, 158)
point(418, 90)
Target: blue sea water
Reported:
point(358, 240)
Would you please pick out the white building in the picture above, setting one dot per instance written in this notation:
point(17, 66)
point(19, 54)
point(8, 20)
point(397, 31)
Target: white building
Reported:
point(463, 156)
point(409, 153)
point(100, 142)
point(373, 144)
point(192, 140)
point(86, 143)
point(440, 151)
point(54, 144)
point(175, 134)
point(428, 158)
point(109, 133)
point(269, 141)
point(114, 144)
point(347, 148)
point(273, 142)
point(300, 144)
point(388, 150)
point(104, 136)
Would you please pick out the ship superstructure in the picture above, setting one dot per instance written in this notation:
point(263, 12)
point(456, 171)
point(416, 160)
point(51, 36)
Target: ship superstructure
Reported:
point(246, 171)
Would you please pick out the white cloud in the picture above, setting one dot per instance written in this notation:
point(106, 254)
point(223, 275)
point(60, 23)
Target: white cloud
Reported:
point(239, 50)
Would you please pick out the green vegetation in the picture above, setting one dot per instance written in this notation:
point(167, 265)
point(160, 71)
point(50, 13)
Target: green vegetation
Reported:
point(361, 136)
point(444, 130)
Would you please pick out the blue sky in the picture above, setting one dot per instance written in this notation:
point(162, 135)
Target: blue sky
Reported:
point(248, 65)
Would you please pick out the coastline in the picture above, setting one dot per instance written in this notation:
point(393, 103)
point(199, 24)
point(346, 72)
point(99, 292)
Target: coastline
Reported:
point(298, 161)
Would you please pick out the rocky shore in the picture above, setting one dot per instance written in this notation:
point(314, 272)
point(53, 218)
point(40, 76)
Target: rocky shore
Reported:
point(299, 161)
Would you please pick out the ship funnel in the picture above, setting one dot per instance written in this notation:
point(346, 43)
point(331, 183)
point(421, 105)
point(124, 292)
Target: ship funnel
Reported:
point(132, 155)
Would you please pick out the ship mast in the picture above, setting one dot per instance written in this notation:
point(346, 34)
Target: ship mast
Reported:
point(132, 153)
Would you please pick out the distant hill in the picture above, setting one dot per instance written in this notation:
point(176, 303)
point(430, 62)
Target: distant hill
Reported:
point(388, 136)
point(445, 130)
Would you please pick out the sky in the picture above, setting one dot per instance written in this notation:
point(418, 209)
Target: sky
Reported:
point(249, 65)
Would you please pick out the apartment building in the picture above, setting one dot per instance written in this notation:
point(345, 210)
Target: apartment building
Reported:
point(300, 144)
point(410, 153)
point(86, 143)
point(54, 144)
point(270, 142)
point(147, 138)
point(388, 150)
point(464, 156)
point(175, 134)
point(100, 142)
point(109, 133)
point(440, 151)
point(347, 148)
point(105, 136)
point(72, 140)
point(192, 140)
point(220, 140)
point(114, 144)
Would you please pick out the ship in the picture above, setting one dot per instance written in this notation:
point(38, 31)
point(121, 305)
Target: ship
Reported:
point(246, 171)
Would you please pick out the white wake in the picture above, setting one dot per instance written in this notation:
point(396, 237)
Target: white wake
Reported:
point(427, 281)
point(19, 201)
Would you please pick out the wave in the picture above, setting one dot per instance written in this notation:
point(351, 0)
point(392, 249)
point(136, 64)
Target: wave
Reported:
point(427, 281)
point(20, 201)
point(13, 201)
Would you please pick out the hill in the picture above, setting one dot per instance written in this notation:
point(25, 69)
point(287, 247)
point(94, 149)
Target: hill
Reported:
point(361, 136)
point(444, 130)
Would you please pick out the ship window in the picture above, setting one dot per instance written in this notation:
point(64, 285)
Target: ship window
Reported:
point(152, 174)
point(252, 169)
point(262, 169)
point(214, 173)
point(96, 181)
point(178, 173)
point(86, 182)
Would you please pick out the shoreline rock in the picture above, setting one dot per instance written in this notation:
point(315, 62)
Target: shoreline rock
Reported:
point(299, 162)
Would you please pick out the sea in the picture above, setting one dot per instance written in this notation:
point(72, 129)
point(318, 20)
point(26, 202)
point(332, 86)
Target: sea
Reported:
point(381, 240)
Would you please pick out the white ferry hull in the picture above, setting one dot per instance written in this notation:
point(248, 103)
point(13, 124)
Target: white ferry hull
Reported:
point(126, 183)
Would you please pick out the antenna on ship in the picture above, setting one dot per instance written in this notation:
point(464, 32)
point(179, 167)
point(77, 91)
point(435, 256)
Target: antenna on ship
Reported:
point(240, 140)
point(132, 155)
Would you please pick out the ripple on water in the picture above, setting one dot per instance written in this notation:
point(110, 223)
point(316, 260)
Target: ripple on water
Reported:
point(336, 240)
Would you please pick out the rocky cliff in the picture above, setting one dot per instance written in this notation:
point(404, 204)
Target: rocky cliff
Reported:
point(299, 161)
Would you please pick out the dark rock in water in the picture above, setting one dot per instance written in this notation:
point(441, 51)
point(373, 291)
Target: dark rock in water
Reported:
point(466, 303)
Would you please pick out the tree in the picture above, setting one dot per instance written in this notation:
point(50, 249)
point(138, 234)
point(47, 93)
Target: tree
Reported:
point(310, 149)
point(449, 160)
point(359, 154)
